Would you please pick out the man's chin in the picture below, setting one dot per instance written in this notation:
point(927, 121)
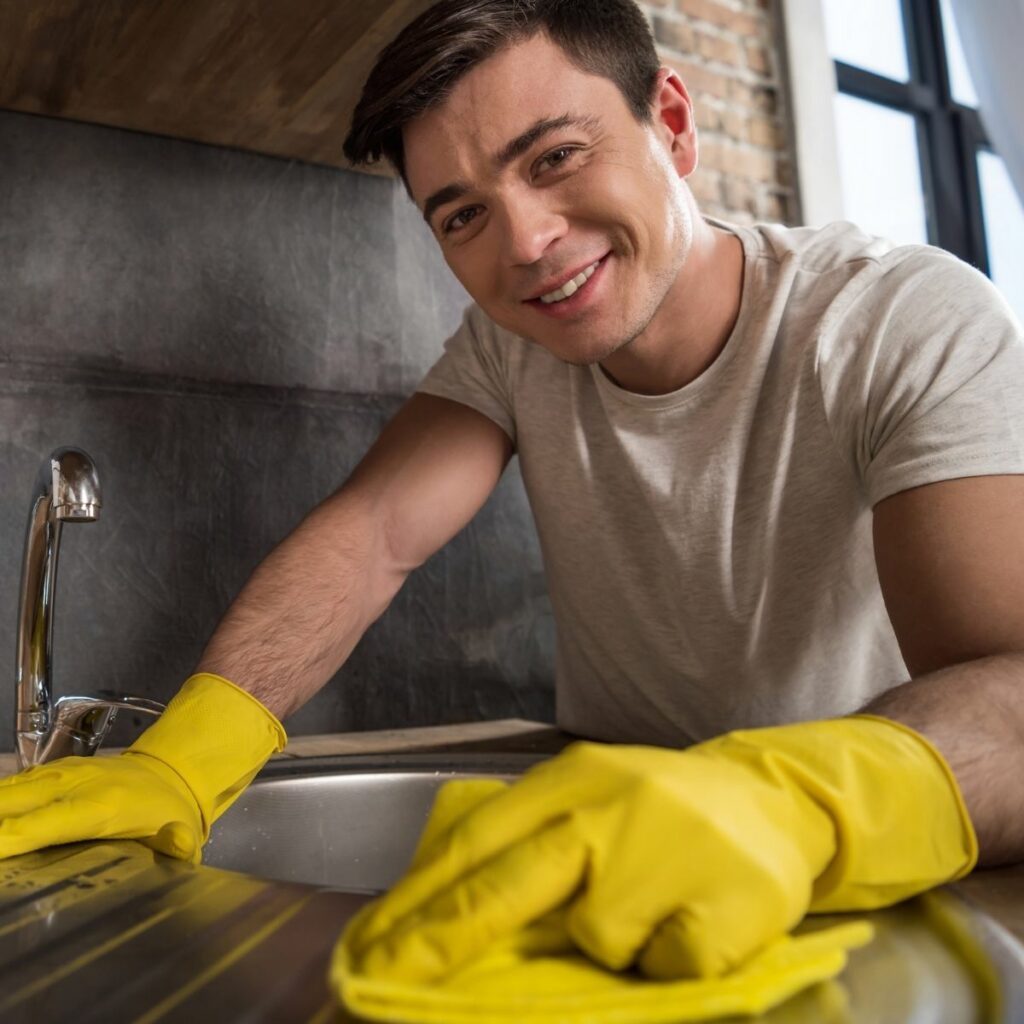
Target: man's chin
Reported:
point(585, 355)
point(572, 344)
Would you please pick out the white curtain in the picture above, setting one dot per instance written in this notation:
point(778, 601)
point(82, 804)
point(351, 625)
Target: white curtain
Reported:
point(992, 34)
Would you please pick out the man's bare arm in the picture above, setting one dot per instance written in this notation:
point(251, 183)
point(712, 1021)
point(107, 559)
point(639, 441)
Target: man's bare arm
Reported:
point(308, 603)
point(951, 563)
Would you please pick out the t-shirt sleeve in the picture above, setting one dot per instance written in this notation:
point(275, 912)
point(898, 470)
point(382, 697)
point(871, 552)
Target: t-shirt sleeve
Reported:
point(923, 379)
point(474, 371)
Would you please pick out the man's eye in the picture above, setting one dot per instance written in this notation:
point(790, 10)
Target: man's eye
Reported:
point(459, 220)
point(556, 157)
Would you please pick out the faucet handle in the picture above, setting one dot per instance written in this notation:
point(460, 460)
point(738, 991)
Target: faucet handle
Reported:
point(124, 702)
point(81, 723)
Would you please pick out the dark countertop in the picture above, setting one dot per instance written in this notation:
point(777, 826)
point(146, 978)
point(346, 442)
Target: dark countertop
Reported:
point(111, 932)
point(505, 734)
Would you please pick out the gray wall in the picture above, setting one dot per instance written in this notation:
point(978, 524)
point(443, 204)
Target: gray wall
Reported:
point(226, 334)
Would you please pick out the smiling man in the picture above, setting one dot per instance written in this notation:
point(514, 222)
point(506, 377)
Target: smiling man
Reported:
point(776, 475)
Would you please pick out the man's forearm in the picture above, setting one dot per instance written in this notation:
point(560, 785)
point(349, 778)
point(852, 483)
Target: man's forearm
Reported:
point(974, 714)
point(306, 606)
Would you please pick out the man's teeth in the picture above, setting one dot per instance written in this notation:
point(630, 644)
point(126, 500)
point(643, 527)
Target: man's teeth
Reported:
point(571, 287)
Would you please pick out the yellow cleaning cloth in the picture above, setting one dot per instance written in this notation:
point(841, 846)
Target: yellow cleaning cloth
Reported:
point(537, 975)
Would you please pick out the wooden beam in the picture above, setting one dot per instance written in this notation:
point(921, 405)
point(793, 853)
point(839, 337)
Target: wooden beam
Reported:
point(273, 76)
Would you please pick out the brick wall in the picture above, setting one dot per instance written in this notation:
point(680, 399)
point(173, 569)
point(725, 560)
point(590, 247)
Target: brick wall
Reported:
point(727, 53)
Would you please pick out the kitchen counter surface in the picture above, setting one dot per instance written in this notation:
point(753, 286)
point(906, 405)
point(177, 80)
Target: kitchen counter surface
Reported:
point(110, 931)
point(506, 734)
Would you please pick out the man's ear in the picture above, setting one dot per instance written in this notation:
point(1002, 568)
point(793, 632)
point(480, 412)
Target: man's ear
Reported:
point(672, 111)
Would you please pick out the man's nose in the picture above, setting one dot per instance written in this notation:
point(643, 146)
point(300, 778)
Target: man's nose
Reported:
point(530, 226)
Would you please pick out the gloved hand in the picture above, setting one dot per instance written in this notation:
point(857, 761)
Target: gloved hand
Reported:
point(536, 976)
point(681, 863)
point(166, 789)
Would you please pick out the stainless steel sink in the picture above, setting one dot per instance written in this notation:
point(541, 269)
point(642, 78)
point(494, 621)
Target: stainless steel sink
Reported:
point(351, 824)
point(347, 823)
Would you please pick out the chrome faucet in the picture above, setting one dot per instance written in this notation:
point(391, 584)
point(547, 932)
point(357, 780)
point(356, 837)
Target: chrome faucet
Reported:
point(67, 490)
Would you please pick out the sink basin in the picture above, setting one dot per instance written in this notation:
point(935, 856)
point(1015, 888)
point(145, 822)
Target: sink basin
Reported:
point(347, 823)
point(351, 824)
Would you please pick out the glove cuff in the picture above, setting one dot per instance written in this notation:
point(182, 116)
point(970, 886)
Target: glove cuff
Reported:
point(902, 826)
point(215, 736)
point(969, 835)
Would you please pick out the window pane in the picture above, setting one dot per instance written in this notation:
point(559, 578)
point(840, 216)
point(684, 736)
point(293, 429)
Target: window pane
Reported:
point(1004, 228)
point(879, 170)
point(960, 83)
point(868, 34)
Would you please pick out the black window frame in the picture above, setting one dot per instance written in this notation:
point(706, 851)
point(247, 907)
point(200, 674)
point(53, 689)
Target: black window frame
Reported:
point(949, 134)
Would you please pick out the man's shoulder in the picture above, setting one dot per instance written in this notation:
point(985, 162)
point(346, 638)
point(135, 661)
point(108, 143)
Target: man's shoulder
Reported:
point(513, 351)
point(502, 355)
point(840, 266)
point(837, 246)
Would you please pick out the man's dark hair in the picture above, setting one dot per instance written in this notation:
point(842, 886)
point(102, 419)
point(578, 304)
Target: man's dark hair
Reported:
point(419, 68)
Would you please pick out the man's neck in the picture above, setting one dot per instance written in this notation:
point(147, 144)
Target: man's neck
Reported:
point(693, 323)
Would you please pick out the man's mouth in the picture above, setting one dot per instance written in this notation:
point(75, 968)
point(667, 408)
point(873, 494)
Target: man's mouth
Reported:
point(571, 286)
point(573, 294)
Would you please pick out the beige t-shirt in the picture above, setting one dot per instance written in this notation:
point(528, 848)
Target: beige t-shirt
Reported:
point(708, 552)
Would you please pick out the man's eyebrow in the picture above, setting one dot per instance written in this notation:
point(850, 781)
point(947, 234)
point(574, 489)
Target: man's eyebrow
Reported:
point(442, 196)
point(521, 143)
point(511, 151)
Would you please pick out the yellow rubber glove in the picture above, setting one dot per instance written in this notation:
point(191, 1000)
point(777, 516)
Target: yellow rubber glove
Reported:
point(680, 863)
point(166, 789)
point(536, 976)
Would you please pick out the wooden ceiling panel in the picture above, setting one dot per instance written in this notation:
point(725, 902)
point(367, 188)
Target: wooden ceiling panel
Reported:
point(273, 76)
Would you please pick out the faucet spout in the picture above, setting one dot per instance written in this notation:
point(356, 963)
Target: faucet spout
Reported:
point(67, 489)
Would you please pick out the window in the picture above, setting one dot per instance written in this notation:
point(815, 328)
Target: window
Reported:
point(915, 164)
point(1004, 228)
point(884, 193)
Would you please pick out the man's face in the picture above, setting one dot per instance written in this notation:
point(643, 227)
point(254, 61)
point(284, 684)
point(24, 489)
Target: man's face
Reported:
point(533, 173)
